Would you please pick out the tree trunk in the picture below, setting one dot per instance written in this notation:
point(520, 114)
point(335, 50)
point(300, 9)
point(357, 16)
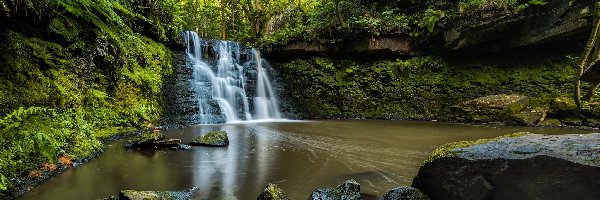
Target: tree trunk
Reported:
point(204, 31)
point(223, 34)
point(195, 2)
point(257, 20)
point(585, 58)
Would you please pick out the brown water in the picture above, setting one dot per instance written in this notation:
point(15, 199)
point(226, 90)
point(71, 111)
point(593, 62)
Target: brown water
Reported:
point(299, 156)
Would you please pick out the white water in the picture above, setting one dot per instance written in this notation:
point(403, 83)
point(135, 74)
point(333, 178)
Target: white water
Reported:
point(220, 88)
point(265, 101)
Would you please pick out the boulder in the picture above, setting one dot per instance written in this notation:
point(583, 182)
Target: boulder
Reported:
point(214, 138)
point(528, 117)
point(562, 107)
point(348, 190)
point(493, 108)
point(156, 195)
point(144, 140)
point(516, 166)
point(404, 193)
point(551, 122)
point(272, 192)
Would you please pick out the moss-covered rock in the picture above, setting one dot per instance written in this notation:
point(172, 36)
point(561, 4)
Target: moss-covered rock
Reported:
point(404, 193)
point(528, 117)
point(493, 108)
point(348, 190)
point(449, 149)
point(272, 192)
point(572, 121)
point(550, 122)
point(155, 195)
point(523, 167)
point(214, 138)
point(144, 140)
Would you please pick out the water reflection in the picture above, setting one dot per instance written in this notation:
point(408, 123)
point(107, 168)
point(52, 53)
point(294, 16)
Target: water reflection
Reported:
point(299, 156)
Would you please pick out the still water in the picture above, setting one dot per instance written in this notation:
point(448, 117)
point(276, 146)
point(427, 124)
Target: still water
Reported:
point(300, 156)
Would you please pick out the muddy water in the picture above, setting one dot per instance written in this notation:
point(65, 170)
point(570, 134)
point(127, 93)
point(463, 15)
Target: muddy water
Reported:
point(299, 156)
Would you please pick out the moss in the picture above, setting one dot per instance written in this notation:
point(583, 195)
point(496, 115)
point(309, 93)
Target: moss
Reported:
point(420, 88)
point(146, 138)
point(213, 138)
point(449, 149)
point(551, 122)
point(272, 192)
point(153, 195)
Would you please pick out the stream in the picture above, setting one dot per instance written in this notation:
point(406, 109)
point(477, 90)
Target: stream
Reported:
point(300, 156)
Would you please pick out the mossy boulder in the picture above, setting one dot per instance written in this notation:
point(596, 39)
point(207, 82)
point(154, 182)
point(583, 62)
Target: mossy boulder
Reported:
point(491, 108)
point(519, 166)
point(155, 195)
point(214, 138)
point(550, 123)
point(272, 192)
point(563, 107)
point(404, 193)
point(146, 139)
point(348, 190)
point(528, 117)
point(572, 121)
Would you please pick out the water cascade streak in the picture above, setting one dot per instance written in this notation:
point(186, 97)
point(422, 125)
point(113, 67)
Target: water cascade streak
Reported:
point(265, 101)
point(219, 84)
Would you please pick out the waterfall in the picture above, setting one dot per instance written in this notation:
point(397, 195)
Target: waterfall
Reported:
point(221, 74)
point(265, 101)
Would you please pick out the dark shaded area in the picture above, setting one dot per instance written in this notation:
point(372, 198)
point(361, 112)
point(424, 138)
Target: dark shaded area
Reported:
point(541, 177)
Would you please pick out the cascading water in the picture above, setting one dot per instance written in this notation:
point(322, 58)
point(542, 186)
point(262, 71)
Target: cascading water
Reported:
point(219, 85)
point(265, 103)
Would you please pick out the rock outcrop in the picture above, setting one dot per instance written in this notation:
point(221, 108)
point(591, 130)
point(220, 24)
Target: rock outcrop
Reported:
point(404, 193)
point(348, 190)
point(272, 192)
point(485, 29)
point(518, 166)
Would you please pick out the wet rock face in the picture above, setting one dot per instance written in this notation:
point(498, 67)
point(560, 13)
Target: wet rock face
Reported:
point(348, 190)
point(525, 167)
point(404, 193)
point(272, 192)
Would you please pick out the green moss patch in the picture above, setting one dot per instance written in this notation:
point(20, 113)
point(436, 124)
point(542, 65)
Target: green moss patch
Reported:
point(214, 138)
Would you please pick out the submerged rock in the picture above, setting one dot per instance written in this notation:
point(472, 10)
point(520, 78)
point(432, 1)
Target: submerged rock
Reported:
point(517, 166)
point(348, 190)
point(272, 192)
point(214, 138)
point(156, 195)
point(404, 193)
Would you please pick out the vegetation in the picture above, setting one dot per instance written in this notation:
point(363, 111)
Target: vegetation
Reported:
point(73, 72)
point(416, 88)
point(213, 138)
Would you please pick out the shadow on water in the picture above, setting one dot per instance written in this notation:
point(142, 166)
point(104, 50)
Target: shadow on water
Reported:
point(299, 156)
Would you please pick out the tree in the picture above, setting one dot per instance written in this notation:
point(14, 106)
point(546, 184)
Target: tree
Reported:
point(223, 34)
point(590, 56)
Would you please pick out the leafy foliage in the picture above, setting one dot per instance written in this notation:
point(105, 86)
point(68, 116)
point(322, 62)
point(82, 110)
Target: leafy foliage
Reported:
point(84, 72)
point(416, 88)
